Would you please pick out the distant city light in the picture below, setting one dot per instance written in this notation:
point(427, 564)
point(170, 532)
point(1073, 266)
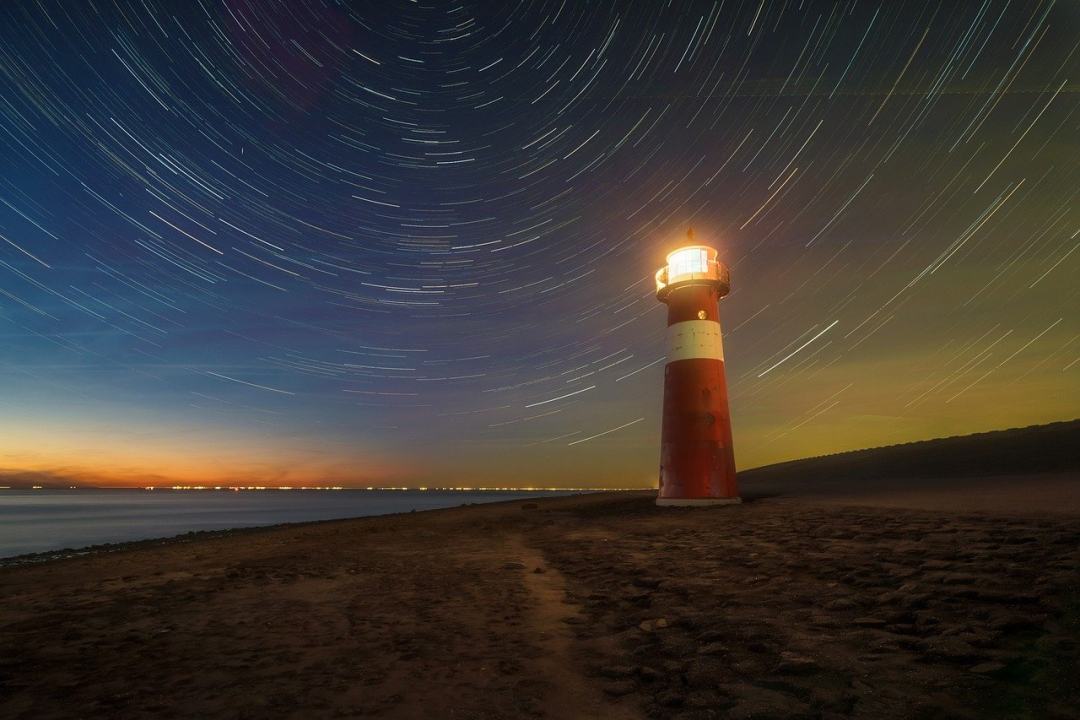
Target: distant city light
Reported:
point(254, 488)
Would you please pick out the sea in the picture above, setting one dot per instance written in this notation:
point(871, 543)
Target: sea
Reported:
point(44, 520)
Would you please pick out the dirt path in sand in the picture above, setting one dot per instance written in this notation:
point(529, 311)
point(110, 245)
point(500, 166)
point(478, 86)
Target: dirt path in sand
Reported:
point(572, 694)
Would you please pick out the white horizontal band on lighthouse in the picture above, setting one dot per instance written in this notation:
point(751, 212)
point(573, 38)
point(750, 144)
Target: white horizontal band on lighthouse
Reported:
point(693, 340)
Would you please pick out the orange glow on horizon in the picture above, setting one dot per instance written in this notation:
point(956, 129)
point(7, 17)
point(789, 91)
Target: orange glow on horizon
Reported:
point(67, 456)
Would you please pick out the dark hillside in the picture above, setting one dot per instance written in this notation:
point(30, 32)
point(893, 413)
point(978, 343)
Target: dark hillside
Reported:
point(1052, 448)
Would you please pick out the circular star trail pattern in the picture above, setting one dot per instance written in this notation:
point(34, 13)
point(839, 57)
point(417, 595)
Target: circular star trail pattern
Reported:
point(413, 242)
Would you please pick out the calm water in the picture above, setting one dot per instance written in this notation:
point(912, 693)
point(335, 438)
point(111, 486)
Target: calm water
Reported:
point(40, 520)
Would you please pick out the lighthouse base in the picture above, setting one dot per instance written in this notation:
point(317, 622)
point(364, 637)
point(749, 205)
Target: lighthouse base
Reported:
point(696, 502)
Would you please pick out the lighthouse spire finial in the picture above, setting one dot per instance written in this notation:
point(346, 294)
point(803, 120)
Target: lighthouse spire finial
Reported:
point(690, 233)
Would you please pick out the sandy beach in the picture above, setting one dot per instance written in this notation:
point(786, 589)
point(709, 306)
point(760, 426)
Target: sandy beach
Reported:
point(832, 603)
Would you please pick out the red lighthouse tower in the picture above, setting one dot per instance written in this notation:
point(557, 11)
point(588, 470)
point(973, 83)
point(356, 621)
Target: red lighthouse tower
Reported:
point(697, 465)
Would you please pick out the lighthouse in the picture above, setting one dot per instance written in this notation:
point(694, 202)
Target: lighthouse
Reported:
point(697, 464)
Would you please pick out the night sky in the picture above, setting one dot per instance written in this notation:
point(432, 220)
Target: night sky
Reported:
point(397, 242)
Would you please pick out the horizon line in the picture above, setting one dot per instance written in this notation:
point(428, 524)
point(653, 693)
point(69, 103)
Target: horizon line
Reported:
point(249, 488)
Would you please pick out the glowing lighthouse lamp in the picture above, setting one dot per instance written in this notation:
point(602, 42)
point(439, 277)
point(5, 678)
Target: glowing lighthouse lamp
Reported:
point(697, 465)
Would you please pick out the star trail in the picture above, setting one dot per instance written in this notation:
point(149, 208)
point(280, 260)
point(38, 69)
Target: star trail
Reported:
point(405, 242)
